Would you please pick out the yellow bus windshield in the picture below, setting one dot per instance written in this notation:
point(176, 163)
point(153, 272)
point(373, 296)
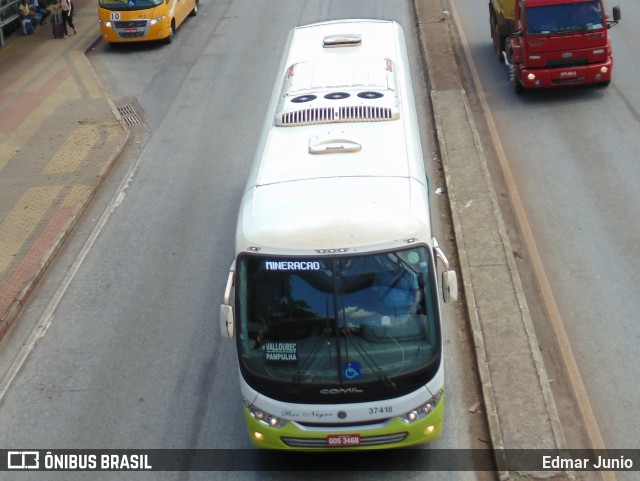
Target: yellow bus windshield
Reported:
point(129, 4)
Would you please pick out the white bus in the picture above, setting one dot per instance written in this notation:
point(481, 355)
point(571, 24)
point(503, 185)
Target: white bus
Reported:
point(333, 295)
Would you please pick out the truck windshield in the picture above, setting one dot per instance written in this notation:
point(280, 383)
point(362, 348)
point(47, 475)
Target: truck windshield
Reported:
point(308, 325)
point(567, 17)
point(122, 5)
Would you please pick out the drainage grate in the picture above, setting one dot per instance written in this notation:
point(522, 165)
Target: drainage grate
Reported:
point(129, 115)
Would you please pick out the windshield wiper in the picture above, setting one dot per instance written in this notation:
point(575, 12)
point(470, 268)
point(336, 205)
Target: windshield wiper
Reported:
point(316, 348)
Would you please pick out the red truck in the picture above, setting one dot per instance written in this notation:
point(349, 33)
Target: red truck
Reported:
point(549, 43)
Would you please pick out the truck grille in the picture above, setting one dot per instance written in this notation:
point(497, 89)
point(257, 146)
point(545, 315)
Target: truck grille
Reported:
point(572, 80)
point(568, 62)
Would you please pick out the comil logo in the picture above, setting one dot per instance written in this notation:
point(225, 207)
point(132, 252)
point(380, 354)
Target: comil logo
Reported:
point(23, 460)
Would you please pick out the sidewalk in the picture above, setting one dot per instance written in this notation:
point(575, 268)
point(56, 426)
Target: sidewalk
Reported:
point(59, 136)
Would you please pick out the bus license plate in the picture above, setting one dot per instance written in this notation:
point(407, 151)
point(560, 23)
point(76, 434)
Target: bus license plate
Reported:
point(131, 30)
point(343, 439)
point(568, 73)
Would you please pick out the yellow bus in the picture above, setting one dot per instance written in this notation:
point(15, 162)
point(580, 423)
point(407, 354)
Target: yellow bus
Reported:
point(143, 20)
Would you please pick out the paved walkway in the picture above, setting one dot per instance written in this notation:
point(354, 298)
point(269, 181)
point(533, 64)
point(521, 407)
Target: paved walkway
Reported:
point(59, 136)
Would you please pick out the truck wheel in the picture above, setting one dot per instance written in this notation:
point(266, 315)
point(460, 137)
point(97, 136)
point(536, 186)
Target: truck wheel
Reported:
point(498, 42)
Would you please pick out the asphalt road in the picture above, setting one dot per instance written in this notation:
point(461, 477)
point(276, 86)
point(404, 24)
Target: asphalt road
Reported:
point(131, 356)
point(573, 157)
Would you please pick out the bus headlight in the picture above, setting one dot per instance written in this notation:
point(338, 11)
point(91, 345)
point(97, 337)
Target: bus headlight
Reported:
point(262, 416)
point(422, 410)
point(153, 21)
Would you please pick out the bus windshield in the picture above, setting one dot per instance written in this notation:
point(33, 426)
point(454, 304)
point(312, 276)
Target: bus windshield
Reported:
point(567, 17)
point(122, 5)
point(324, 324)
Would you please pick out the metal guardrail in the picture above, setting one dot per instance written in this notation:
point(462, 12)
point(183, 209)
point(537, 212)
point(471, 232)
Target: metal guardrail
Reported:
point(8, 14)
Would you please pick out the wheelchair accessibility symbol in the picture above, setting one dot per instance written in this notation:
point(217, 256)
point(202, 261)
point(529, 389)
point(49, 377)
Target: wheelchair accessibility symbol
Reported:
point(351, 369)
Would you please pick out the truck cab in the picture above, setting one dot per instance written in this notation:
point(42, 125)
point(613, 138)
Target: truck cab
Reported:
point(552, 43)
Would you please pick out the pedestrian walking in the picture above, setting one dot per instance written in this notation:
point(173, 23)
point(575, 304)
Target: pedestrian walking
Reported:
point(67, 16)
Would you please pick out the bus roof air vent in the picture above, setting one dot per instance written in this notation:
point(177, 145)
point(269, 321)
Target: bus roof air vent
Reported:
point(342, 40)
point(303, 98)
point(370, 95)
point(357, 90)
point(331, 145)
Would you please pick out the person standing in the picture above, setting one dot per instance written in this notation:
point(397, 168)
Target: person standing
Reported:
point(67, 16)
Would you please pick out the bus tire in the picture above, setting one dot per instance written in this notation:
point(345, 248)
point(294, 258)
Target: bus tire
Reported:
point(194, 12)
point(172, 30)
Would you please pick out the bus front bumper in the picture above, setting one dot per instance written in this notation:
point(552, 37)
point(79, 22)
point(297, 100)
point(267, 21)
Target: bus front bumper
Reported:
point(136, 31)
point(392, 433)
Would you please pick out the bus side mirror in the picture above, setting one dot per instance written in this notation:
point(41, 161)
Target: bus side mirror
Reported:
point(449, 276)
point(449, 286)
point(226, 310)
point(226, 320)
